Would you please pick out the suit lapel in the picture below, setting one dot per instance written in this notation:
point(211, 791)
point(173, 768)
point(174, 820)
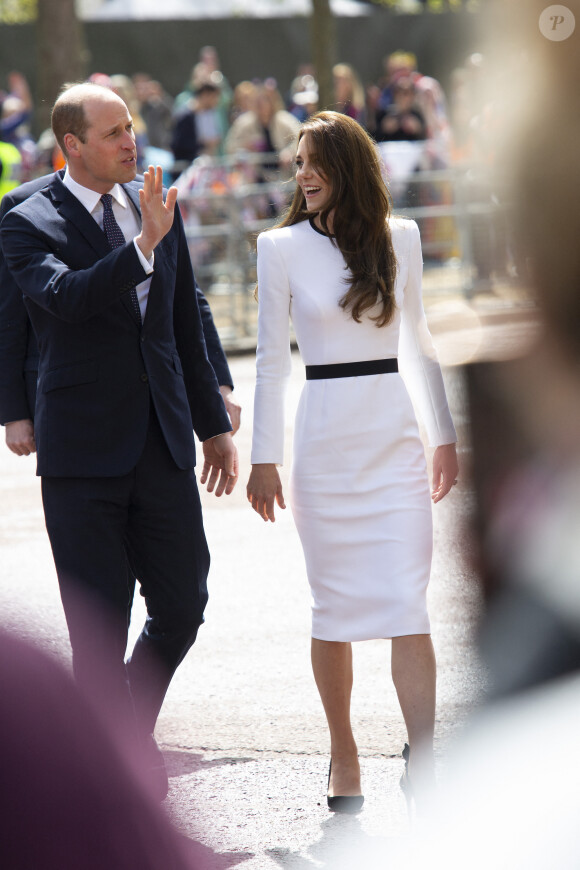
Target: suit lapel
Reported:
point(71, 209)
point(132, 191)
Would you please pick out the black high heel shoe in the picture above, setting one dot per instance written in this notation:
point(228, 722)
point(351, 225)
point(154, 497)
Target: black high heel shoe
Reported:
point(343, 803)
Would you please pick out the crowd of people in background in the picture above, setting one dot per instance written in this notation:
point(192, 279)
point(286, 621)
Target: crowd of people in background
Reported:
point(215, 136)
point(211, 117)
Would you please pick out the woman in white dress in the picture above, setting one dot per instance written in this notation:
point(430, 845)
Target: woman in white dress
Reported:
point(349, 277)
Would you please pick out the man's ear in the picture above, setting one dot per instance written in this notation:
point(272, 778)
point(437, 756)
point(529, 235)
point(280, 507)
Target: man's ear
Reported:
point(71, 143)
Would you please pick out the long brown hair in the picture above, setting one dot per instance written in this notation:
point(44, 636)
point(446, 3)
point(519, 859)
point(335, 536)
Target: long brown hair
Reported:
point(360, 201)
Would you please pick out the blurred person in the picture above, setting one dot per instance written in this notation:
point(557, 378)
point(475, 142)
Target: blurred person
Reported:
point(117, 460)
point(196, 127)
point(156, 110)
point(466, 101)
point(372, 100)
point(305, 104)
point(402, 120)
point(430, 101)
point(349, 276)
point(124, 88)
point(207, 69)
point(209, 58)
point(48, 154)
point(69, 796)
point(525, 423)
point(401, 132)
point(398, 63)
point(461, 113)
point(527, 496)
point(349, 93)
point(20, 136)
point(305, 78)
point(303, 97)
point(483, 118)
point(267, 128)
point(99, 78)
point(10, 167)
point(15, 118)
point(243, 99)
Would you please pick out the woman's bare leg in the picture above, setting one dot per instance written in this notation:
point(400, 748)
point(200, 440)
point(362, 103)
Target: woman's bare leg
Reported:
point(414, 674)
point(332, 666)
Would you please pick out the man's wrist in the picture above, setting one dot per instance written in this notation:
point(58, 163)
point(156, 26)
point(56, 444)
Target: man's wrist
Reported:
point(145, 254)
point(229, 432)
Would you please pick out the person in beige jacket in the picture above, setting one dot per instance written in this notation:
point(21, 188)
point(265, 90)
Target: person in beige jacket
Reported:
point(266, 128)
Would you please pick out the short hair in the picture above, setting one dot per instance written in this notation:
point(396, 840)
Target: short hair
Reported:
point(207, 88)
point(68, 113)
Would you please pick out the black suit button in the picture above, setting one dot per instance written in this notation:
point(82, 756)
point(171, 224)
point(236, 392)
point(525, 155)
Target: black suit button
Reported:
point(144, 378)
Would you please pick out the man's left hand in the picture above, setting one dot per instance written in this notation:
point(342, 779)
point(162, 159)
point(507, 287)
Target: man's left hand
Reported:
point(220, 469)
point(156, 214)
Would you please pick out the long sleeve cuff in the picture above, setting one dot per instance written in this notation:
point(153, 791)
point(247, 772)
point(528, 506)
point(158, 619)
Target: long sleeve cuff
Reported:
point(147, 264)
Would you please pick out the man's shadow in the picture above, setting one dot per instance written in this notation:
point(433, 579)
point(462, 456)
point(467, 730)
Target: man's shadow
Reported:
point(183, 763)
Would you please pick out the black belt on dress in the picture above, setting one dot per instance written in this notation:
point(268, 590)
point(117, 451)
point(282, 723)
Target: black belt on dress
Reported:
point(352, 369)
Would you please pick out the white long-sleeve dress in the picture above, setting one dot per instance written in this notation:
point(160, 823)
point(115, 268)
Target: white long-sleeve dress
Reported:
point(359, 489)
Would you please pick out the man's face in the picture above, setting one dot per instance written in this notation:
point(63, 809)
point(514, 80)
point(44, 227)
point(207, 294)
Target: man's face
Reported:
point(108, 155)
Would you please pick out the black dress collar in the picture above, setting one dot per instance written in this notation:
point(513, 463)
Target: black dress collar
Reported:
point(317, 229)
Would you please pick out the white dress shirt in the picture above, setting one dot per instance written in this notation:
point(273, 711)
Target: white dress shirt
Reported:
point(126, 217)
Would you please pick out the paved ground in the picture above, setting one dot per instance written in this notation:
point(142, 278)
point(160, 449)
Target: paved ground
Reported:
point(242, 729)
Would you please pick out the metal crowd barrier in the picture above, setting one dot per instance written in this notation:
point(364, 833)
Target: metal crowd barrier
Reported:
point(227, 201)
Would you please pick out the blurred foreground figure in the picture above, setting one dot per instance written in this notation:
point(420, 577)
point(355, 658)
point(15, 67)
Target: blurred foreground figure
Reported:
point(512, 784)
point(68, 798)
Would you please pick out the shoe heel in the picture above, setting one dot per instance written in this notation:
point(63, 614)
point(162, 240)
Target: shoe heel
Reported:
point(343, 803)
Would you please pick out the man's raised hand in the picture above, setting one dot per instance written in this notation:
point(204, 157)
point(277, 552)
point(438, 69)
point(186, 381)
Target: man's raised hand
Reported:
point(156, 214)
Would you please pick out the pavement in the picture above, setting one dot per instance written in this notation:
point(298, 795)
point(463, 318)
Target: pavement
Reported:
point(242, 728)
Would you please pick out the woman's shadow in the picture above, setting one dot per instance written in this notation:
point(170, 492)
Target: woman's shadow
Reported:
point(343, 846)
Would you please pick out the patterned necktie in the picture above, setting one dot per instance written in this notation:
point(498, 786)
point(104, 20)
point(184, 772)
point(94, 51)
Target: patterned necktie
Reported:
point(116, 239)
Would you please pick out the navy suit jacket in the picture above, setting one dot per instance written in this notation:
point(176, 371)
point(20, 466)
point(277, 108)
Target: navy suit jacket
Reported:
point(98, 368)
point(18, 346)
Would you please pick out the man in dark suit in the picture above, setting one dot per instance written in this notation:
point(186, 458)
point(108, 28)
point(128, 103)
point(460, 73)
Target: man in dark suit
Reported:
point(123, 379)
point(19, 349)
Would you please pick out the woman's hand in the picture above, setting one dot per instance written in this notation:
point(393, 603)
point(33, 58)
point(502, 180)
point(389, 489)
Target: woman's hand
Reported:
point(445, 470)
point(263, 489)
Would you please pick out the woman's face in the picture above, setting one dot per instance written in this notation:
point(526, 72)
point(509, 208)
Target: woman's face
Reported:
point(316, 188)
point(342, 88)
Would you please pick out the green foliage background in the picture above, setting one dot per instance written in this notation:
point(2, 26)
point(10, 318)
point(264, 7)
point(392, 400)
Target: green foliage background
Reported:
point(23, 11)
point(17, 11)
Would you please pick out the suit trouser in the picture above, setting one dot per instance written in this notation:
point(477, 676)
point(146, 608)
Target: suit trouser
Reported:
point(151, 518)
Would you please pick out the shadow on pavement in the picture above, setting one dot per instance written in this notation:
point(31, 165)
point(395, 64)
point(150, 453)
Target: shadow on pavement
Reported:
point(181, 762)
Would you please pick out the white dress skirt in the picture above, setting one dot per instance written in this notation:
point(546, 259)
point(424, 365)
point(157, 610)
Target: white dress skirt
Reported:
point(359, 489)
